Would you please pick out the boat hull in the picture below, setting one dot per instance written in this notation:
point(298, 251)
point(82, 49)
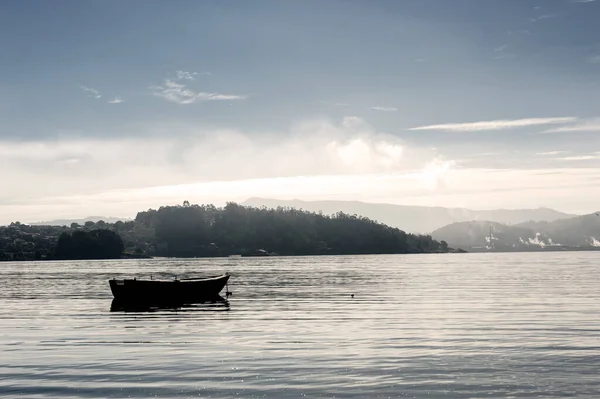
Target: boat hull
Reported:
point(168, 292)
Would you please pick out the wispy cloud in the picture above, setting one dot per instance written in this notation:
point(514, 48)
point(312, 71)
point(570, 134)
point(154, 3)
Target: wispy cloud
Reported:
point(91, 92)
point(542, 17)
point(116, 100)
point(500, 52)
point(550, 153)
point(183, 75)
point(579, 158)
point(496, 124)
point(385, 109)
point(582, 1)
point(181, 94)
point(590, 125)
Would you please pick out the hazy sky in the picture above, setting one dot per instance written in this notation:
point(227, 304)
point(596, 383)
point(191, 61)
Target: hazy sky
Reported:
point(110, 107)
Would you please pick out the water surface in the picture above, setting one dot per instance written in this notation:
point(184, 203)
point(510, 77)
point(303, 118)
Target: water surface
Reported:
point(434, 326)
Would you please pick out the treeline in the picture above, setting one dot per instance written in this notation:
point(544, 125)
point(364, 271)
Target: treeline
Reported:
point(19, 241)
point(206, 230)
point(95, 244)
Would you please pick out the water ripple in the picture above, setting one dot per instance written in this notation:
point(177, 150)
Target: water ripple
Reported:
point(436, 326)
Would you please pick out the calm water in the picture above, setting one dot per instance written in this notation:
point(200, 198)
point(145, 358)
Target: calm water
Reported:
point(434, 326)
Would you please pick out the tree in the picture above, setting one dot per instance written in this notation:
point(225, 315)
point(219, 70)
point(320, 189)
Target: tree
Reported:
point(95, 244)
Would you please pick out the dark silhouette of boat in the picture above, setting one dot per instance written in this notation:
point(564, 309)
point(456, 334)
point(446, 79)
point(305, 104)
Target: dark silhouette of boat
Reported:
point(217, 304)
point(168, 292)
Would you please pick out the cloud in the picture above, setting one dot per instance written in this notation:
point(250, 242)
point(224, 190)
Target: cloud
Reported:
point(550, 153)
point(496, 124)
point(385, 109)
point(349, 149)
point(180, 94)
point(91, 92)
point(579, 158)
point(316, 159)
point(582, 1)
point(435, 184)
point(542, 17)
point(588, 125)
point(434, 174)
point(183, 75)
point(501, 54)
point(309, 148)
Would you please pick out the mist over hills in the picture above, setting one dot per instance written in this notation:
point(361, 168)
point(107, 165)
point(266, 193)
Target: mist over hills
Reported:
point(415, 219)
point(579, 232)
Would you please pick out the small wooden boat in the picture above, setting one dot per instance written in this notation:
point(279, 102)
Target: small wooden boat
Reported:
point(218, 304)
point(177, 291)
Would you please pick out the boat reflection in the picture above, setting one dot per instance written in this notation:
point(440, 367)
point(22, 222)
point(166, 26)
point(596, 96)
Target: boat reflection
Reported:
point(217, 304)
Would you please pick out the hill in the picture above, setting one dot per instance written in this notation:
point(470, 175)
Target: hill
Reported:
point(234, 229)
point(205, 230)
point(580, 232)
point(576, 231)
point(414, 219)
point(68, 222)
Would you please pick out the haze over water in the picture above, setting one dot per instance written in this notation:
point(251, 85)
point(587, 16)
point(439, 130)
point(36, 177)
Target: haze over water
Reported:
point(436, 326)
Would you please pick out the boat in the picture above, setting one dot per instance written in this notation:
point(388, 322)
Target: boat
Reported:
point(215, 305)
point(176, 291)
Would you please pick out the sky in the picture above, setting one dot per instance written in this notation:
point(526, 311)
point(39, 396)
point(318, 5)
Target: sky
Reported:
point(109, 108)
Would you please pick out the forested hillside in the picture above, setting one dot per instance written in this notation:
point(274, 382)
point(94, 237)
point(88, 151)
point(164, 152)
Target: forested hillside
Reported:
point(205, 230)
point(234, 229)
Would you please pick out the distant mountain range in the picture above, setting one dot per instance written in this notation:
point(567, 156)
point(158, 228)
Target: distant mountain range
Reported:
point(415, 219)
point(67, 222)
point(581, 232)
